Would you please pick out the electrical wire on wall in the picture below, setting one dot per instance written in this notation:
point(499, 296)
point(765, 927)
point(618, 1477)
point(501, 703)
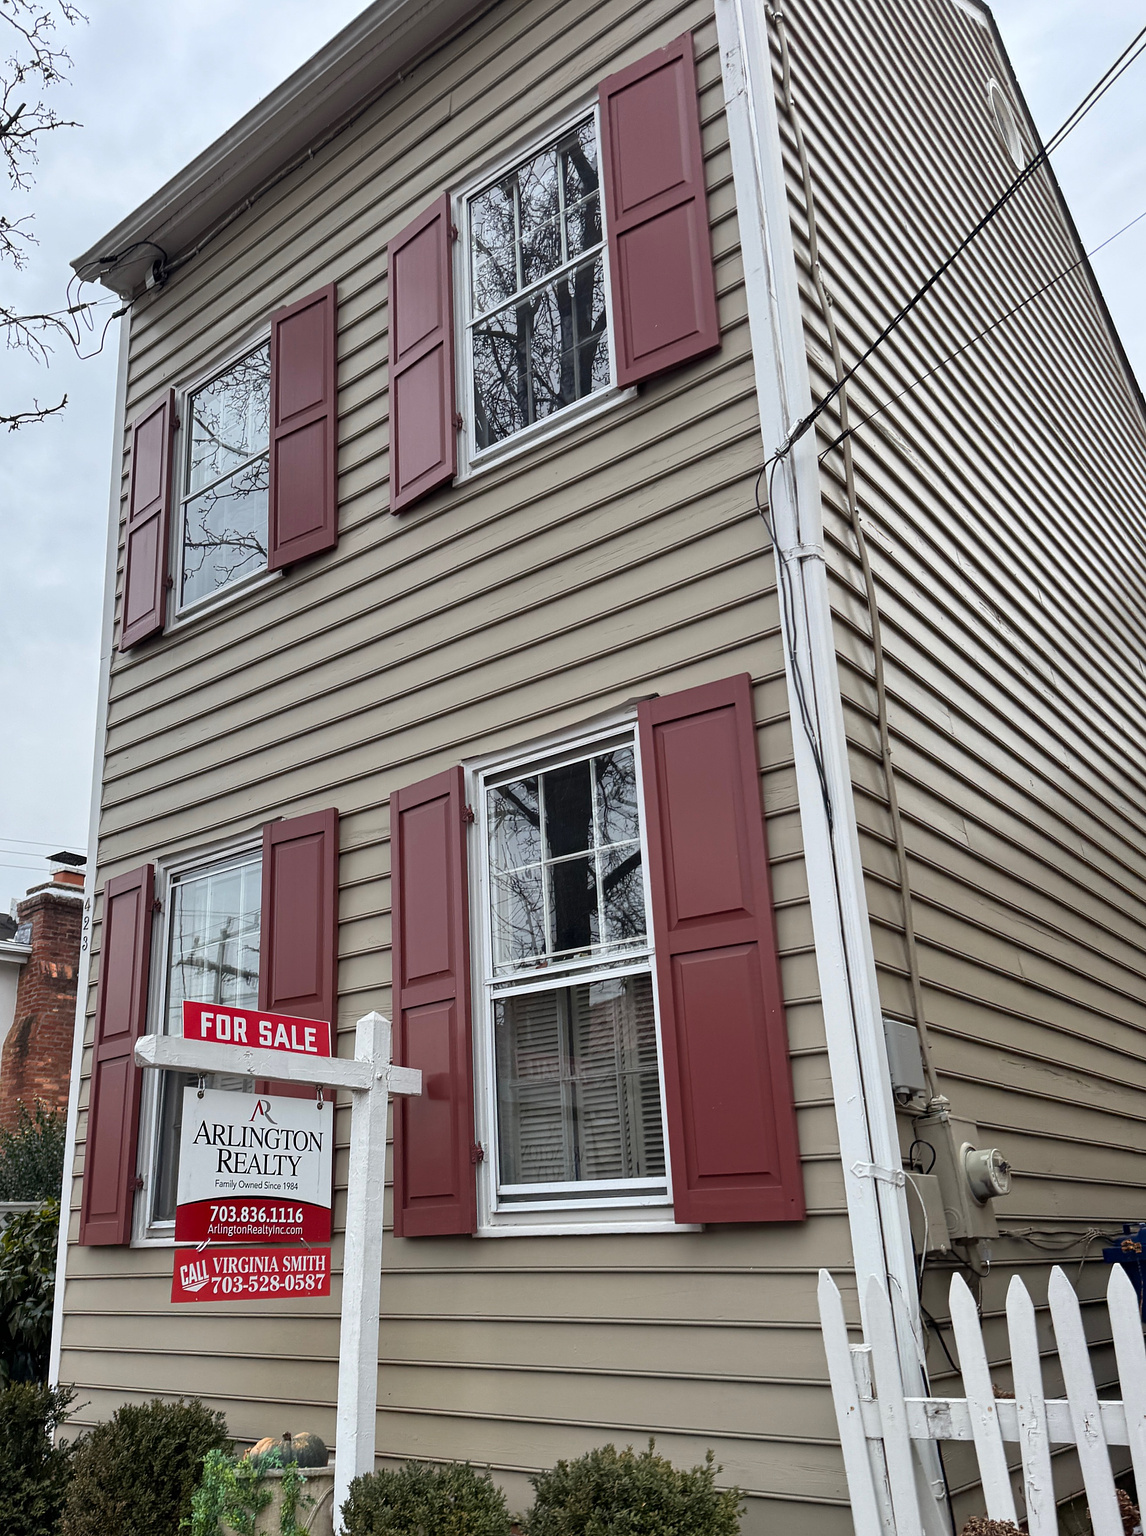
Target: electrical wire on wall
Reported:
point(841, 396)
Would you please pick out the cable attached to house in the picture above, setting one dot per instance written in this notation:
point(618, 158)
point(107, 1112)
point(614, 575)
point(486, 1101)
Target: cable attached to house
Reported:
point(870, 592)
point(1130, 53)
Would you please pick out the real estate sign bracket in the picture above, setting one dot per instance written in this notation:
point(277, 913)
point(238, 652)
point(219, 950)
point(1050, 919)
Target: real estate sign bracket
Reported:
point(371, 1077)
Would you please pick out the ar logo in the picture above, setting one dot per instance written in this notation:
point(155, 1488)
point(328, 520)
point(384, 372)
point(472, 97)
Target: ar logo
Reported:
point(262, 1111)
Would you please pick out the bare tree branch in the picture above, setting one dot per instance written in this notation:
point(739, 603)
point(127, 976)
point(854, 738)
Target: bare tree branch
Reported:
point(34, 64)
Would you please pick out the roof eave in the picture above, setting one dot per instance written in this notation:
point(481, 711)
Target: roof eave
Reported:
point(352, 67)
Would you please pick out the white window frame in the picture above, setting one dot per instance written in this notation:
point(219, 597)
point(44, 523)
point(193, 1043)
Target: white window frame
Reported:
point(471, 460)
point(145, 1232)
point(631, 1212)
point(184, 613)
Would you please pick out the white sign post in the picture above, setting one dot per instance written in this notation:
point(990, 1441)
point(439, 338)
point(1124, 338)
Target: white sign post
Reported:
point(371, 1077)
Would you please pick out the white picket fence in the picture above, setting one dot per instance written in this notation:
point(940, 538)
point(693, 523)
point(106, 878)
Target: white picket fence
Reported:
point(874, 1414)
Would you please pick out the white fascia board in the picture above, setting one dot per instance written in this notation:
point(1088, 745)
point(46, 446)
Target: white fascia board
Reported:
point(341, 77)
point(106, 637)
point(16, 953)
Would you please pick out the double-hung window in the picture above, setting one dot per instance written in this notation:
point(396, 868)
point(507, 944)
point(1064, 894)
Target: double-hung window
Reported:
point(224, 480)
point(538, 316)
point(572, 1060)
point(211, 955)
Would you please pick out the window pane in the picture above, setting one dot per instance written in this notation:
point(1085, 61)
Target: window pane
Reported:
point(618, 818)
point(514, 825)
point(582, 194)
point(573, 905)
point(229, 419)
point(225, 533)
point(623, 893)
point(568, 810)
point(577, 1084)
point(518, 917)
point(501, 378)
point(539, 217)
point(494, 235)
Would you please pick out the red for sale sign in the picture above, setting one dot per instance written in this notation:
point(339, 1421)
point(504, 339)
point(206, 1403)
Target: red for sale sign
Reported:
point(266, 1031)
point(253, 1169)
point(240, 1274)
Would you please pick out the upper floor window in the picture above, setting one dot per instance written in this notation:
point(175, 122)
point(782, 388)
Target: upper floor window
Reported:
point(538, 315)
point(225, 477)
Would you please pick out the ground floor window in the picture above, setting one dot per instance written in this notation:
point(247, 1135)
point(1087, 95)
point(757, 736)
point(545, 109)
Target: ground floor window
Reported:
point(568, 1010)
point(211, 955)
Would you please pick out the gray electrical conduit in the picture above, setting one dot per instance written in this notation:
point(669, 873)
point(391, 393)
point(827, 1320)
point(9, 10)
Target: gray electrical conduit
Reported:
point(920, 1018)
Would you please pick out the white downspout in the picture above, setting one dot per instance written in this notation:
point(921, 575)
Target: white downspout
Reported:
point(111, 562)
point(857, 1054)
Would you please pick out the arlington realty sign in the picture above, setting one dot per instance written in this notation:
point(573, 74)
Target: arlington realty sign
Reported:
point(254, 1168)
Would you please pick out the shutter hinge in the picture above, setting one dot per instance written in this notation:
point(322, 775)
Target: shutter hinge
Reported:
point(453, 231)
point(468, 815)
point(477, 1153)
point(176, 423)
point(137, 1183)
point(156, 904)
point(169, 582)
point(458, 420)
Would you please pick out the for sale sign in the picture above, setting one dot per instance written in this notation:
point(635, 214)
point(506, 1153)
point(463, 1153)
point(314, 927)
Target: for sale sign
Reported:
point(254, 1169)
point(238, 1274)
point(267, 1031)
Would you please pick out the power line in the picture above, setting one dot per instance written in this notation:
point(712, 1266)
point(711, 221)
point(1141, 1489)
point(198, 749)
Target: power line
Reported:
point(979, 335)
point(1092, 97)
point(32, 842)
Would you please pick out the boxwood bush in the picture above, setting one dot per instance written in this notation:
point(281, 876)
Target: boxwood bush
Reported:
point(418, 1500)
point(608, 1492)
point(135, 1475)
point(27, 1285)
point(33, 1472)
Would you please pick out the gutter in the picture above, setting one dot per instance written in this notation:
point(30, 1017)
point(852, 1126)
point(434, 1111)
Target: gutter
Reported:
point(874, 1189)
point(106, 639)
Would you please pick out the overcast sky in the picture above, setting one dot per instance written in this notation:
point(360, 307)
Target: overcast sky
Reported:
point(154, 84)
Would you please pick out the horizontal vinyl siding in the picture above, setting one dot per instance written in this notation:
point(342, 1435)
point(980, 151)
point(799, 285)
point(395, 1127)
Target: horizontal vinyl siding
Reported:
point(1003, 500)
point(624, 556)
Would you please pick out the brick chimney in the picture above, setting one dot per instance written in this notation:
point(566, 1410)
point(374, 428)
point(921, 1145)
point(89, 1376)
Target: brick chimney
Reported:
point(36, 1059)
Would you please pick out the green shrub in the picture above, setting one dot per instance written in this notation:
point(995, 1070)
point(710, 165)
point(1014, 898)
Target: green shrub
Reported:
point(135, 1475)
point(27, 1284)
point(451, 1500)
point(33, 1472)
point(32, 1154)
point(618, 1493)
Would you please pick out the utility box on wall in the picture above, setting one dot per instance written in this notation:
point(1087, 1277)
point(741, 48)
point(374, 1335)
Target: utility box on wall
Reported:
point(970, 1177)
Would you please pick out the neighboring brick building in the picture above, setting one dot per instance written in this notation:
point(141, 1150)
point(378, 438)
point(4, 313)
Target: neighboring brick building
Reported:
point(36, 1057)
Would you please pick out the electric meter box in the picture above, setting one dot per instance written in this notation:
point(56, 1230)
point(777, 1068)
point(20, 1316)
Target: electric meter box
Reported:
point(970, 1177)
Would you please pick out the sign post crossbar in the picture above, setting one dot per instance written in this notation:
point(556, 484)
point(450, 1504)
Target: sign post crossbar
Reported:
point(371, 1077)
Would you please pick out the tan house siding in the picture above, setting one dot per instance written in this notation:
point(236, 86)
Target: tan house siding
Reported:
point(1003, 501)
point(623, 557)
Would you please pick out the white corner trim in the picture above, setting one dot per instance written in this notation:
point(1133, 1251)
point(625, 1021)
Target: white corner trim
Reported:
point(865, 1112)
point(106, 639)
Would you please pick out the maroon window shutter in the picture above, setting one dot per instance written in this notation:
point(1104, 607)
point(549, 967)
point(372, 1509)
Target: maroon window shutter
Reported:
point(731, 1116)
point(423, 421)
point(298, 950)
point(148, 524)
point(121, 1015)
point(434, 1179)
point(303, 516)
point(660, 249)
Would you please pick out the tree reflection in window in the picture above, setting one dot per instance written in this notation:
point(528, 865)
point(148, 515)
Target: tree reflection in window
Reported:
point(226, 478)
point(539, 320)
point(565, 861)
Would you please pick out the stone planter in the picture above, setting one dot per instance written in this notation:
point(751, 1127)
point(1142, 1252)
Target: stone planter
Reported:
point(317, 1518)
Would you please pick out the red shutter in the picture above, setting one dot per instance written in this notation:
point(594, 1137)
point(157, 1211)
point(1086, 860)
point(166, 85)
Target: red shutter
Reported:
point(303, 517)
point(423, 430)
point(434, 1182)
point(298, 959)
point(121, 1015)
point(660, 249)
point(732, 1121)
point(148, 524)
